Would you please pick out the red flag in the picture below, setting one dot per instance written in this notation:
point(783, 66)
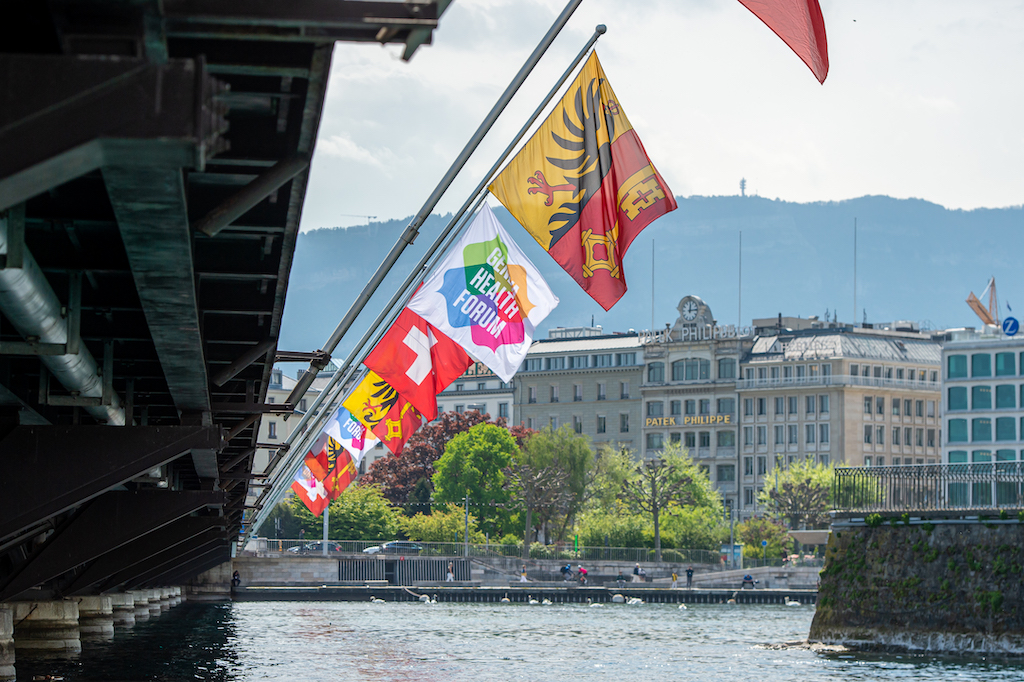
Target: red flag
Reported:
point(342, 473)
point(398, 425)
point(317, 460)
point(384, 411)
point(418, 361)
point(311, 491)
point(800, 25)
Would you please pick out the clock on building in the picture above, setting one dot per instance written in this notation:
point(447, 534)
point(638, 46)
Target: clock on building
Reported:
point(689, 309)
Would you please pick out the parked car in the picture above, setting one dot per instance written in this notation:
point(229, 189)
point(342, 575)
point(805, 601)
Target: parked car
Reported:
point(395, 547)
point(314, 548)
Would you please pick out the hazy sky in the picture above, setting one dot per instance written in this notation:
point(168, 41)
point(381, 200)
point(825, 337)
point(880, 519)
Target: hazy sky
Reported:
point(923, 99)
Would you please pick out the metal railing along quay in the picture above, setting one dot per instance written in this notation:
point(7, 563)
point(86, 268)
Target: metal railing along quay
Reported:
point(975, 487)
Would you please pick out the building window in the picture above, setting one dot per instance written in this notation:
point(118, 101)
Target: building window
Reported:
point(762, 406)
point(554, 393)
point(1006, 428)
point(880, 435)
point(748, 407)
point(272, 430)
point(460, 387)
point(530, 424)
point(601, 424)
point(919, 438)
point(762, 465)
point(854, 369)
point(675, 408)
point(792, 434)
point(691, 439)
point(895, 435)
point(867, 404)
point(626, 359)
point(762, 435)
point(577, 362)
point(302, 405)
point(823, 433)
point(553, 422)
point(534, 364)
point(726, 439)
point(577, 393)
point(655, 441)
point(655, 409)
point(748, 497)
point(956, 398)
point(748, 435)
point(879, 405)
point(705, 406)
point(809, 403)
point(823, 404)
point(705, 369)
point(678, 370)
point(532, 391)
point(577, 424)
point(780, 406)
point(981, 397)
point(725, 473)
point(793, 401)
point(981, 365)
point(981, 429)
point(895, 407)
point(727, 368)
point(956, 367)
point(623, 423)
point(899, 374)
point(931, 409)
point(919, 408)
point(460, 409)
point(691, 407)
point(705, 439)
point(604, 360)
point(1005, 365)
point(556, 363)
point(931, 438)
point(1006, 396)
point(809, 434)
point(800, 372)
point(601, 395)
point(656, 372)
point(503, 410)
point(624, 390)
point(867, 436)
point(675, 438)
point(726, 405)
point(780, 435)
point(748, 466)
point(749, 373)
point(787, 372)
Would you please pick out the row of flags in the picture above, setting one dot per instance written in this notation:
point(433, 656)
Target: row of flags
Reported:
point(584, 188)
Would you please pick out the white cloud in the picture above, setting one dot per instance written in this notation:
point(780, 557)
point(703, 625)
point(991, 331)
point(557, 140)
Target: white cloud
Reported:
point(340, 146)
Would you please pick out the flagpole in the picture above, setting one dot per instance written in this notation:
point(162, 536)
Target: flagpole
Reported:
point(440, 246)
point(412, 229)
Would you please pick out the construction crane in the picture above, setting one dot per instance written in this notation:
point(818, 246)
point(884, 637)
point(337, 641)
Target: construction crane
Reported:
point(991, 315)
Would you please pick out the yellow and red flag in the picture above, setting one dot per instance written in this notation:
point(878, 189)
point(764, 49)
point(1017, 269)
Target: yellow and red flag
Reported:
point(331, 464)
point(381, 409)
point(584, 187)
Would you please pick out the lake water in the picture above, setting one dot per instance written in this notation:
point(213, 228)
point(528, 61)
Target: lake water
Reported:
point(410, 641)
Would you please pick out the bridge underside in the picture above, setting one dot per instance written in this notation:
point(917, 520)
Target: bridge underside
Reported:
point(155, 164)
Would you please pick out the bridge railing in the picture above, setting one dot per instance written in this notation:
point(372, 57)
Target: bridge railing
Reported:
point(970, 487)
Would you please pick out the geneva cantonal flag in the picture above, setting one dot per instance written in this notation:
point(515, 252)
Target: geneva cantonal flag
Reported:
point(487, 296)
point(584, 187)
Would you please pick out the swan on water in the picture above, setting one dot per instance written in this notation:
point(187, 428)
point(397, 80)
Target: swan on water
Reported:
point(374, 600)
point(792, 602)
point(683, 607)
point(531, 599)
point(505, 599)
point(546, 602)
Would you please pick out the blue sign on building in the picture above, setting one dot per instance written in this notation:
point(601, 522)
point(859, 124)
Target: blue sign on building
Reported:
point(1011, 326)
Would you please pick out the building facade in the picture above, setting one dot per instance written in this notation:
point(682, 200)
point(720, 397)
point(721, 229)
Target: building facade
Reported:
point(586, 379)
point(983, 398)
point(837, 394)
point(478, 389)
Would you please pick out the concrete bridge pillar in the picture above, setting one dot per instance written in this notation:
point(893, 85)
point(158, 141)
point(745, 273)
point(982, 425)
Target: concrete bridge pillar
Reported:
point(175, 595)
point(96, 617)
point(46, 628)
point(122, 605)
point(6, 643)
point(182, 593)
point(140, 599)
point(165, 598)
point(154, 602)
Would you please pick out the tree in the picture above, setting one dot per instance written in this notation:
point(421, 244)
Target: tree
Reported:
point(444, 525)
point(361, 512)
point(569, 453)
point(283, 521)
point(753, 531)
point(696, 527)
point(419, 498)
point(657, 483)
point(803, 495)
point(398, 476)
point(604, 479)
point(540, 490)
point(473, 464)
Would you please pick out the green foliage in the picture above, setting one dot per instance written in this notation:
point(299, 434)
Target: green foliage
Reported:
point(510, 539)
point(694, 528)
point(752, 532)
point(927, 527)
point(620, 528)
point(291, 520)
point(604, 481)
point(803, 495)
point(873, 520)
point(419, 498)
point(569, 452)
point(445, 524)
point(472, 463)
point(362, 513)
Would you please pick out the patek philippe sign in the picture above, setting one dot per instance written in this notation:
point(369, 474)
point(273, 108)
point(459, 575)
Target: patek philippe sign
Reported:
point(694, 333)
point(703, 420)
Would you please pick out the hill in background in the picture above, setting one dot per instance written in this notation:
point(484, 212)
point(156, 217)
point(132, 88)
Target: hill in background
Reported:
point(916, 261)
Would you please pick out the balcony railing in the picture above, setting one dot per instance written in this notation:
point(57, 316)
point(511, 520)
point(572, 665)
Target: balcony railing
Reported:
point(836, 380)
point(962, 488)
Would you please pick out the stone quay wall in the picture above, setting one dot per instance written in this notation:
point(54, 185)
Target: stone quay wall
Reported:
point(930, 585)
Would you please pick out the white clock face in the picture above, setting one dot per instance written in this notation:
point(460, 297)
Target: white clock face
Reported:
point(689, 311)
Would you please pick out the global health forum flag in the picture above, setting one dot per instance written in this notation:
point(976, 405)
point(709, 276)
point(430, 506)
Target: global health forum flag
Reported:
point(584, 187)
point(487, 296)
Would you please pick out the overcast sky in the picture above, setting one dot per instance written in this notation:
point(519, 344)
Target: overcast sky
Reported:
point(923, 99)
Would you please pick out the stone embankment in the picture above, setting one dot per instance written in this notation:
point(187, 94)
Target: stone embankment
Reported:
point(931, 585)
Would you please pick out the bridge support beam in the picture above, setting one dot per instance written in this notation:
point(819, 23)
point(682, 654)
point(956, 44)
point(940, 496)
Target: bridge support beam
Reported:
point(123, 608)
point(82, 463)
point(106, 523)
point(6, 644)
point(96, 617)
point(46, 628)
point(158, 562)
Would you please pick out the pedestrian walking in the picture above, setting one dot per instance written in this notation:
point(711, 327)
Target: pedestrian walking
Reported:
point(451, 573)
point(675, 580)
point(522, 574)
point(636, 573)
point(689, 576)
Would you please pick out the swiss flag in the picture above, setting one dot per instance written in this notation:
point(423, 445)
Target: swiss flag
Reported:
point(311, 491)
point(418, 361)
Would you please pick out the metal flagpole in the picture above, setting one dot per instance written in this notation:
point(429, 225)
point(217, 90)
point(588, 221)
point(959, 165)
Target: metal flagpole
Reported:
point(412, 229)
point(327, 517)
point(305, 430)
